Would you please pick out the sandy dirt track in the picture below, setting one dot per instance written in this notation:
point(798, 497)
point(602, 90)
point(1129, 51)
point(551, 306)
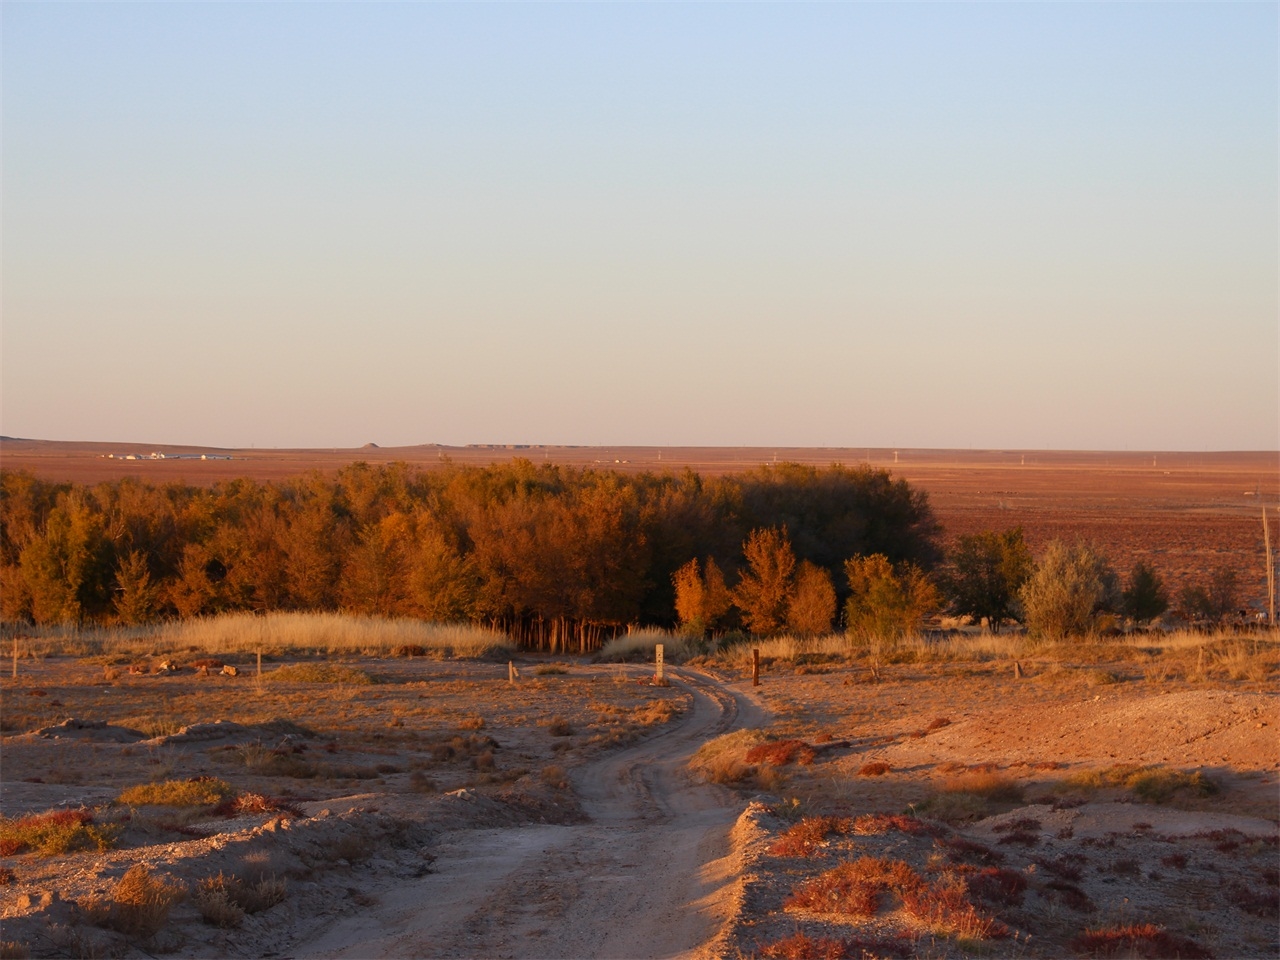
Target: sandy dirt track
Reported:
point(650, 874)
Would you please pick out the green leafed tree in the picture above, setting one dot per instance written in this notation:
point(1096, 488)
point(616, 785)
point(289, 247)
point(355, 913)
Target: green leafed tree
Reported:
point(1144, 598)
point(764, 587)
point(886, 603)
point(1213, 601)
point(984, 573)
point(135, 599)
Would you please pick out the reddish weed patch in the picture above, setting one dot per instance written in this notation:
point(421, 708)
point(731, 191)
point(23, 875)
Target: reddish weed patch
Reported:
point(779, 753)
point(873, 824)
point(800, 946)
point(804, 838)
point(1144, 940)
point(853, 889)
point(876, 768)
point(53, 833)
point(858, 888)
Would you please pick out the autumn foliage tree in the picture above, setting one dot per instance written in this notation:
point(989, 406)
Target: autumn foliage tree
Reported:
point(764, 589)
point(812, 605)
point(702, 598)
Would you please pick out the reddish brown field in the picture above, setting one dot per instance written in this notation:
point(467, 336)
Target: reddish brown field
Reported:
point(1185, 513)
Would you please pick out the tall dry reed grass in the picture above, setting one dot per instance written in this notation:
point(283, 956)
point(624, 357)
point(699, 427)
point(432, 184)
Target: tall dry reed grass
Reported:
point(274, 633)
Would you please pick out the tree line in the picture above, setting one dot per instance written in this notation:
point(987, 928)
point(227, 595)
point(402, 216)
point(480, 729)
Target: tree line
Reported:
point(559, 557)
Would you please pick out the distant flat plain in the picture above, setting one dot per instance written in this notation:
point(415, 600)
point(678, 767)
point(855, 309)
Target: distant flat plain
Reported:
point(1184, 512)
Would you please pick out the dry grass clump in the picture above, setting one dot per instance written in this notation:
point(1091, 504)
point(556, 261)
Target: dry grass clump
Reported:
point(196, 792)
point(13, 950)
point(987, 784)
point(722, 759)
point(874, 768)
point(224, 901)
point(1154, 784)
point(318, 673)
point(638, 645)
point(559, 727)
point(1144, 940)
point(55, 832)
point(276, 633)
point(138, 905)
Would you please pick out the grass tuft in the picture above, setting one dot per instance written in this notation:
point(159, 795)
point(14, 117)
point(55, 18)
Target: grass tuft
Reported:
point(197, 792)
point(317, 673)
point(1145, 940)
point(138, 905)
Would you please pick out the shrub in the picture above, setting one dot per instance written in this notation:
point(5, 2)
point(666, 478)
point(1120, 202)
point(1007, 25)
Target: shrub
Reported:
point(224, 901)
point(197, 792)
point(1213, 601)
point(1067, 591)
point(138, 905)
point(875, 768)
point(812, 605)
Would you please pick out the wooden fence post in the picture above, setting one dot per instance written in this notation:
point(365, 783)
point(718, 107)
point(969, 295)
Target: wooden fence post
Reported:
point(259, 664)
point(15, 658)
point(657, 654)
point(755, 666)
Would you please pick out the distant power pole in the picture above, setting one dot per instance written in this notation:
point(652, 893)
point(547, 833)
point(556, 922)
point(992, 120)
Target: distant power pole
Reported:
point(1271, 568)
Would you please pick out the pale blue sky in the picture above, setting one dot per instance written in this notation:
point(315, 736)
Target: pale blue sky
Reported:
point(995, 225)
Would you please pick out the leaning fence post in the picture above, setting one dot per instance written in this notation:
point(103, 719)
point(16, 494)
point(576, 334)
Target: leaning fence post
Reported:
point(755, 666)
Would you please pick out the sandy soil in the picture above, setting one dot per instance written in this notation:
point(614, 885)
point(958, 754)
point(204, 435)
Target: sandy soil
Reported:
point(633, 857)
point(646, 876)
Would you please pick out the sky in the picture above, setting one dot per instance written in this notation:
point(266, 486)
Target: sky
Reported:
point(907, 225)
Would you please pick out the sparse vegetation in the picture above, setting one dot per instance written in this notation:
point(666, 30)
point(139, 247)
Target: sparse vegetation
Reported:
point(55, 832)
point(137, 906)
point(196, 792)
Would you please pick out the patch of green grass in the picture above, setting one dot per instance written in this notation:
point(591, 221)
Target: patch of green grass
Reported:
point(1151, 783)
point(200, 792)
point(317, 673)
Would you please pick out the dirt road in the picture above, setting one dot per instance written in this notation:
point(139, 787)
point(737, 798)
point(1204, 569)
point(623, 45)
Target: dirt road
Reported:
point(647, 876)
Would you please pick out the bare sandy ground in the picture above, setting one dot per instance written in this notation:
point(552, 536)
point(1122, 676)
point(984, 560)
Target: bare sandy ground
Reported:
point(649, 875)
point(648, 862)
